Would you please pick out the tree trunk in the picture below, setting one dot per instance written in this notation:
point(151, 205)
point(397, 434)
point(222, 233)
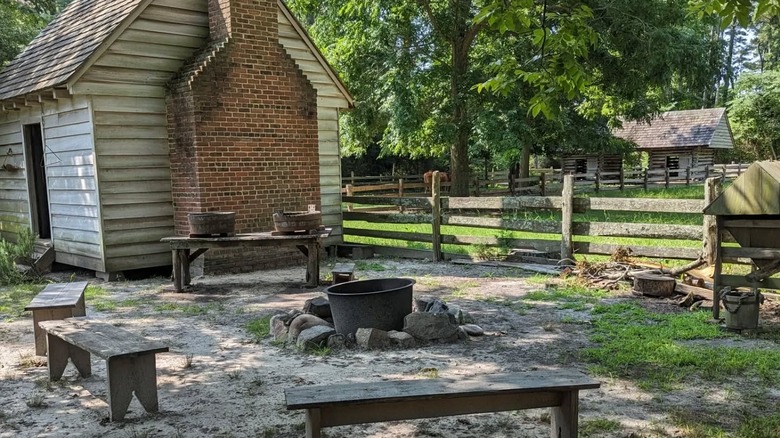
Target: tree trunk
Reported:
point(459, 152)
point(525, 164)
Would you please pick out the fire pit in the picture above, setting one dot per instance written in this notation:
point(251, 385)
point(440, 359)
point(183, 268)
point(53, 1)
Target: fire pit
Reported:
point(380, 303)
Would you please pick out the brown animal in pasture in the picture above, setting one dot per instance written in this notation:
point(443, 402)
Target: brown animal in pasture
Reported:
point(428, 179)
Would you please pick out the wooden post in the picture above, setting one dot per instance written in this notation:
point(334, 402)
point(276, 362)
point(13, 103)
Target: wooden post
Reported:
point(352, 178)
point(706, 171)
point(666, 177)
point(436, 215)
point(709, 251)
point(541, 184)
point(598, 180)
point(622, 178)
point(476, 186)
point(400, 194)
point(718, 268)
point(645, 178)
point(688, 176)
point(567, 211)
point(349, 193)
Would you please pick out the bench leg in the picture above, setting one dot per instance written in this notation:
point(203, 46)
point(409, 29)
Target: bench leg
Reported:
point(313, 422)
point(131, 374)
point(177, 274)
point(60, 351)
point(47, 315)
point(564, 418)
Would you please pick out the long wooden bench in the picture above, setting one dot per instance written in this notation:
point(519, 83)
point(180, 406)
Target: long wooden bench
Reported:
point(56, 301)
point(130, 359)
point(356, 403)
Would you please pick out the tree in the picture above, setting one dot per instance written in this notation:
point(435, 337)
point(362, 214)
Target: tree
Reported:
point(755, 114)
point(471, 77)
point(21, 21)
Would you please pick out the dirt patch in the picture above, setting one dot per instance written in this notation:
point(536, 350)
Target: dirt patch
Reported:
point(217, 381)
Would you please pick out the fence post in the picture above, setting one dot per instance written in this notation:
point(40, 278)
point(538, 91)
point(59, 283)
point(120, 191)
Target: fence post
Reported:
point(645, 178)
point(711, 190)
point(706, 171)
point(476, 186)
point(688, 176)
point(598, 180)
point(352, 178)
point(349, 193)
point(541, 184)
point(567, 211)
point(436, 216)
point(622, 179)
point(666, 177)
point(400, 194)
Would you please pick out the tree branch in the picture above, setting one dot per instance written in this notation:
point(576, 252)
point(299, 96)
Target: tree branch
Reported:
point(426, 5)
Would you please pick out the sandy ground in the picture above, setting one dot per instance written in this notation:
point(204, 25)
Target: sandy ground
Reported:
point(234, 386)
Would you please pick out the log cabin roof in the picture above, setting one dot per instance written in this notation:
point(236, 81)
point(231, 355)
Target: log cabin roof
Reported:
point(63, 46)
point(679, 129)
point(79, 34)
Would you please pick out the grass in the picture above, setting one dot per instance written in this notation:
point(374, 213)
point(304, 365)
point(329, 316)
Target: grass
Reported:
point(259, 328)
point(597, 426)
point(651, 348)
point(13, 299)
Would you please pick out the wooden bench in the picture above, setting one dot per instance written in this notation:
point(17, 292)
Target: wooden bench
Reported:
point(356, 403)
point(130, 359)
point(343, 272)
point(56, 301)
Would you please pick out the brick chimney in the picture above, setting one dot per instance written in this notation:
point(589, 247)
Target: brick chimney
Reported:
point(242, 129)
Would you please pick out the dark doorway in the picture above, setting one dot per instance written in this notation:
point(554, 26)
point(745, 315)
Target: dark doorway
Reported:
point(36, 176)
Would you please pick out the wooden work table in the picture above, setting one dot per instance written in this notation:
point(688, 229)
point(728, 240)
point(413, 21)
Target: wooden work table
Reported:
point(187, 249)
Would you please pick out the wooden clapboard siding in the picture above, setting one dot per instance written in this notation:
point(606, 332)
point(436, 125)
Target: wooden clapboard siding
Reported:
point(15, 208)
point(73, 199)
point(131, 141)
point(144, 57)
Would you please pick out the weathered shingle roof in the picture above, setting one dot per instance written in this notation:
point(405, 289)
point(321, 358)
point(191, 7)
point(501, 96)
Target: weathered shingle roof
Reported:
point(674, 129)
point(60, 49)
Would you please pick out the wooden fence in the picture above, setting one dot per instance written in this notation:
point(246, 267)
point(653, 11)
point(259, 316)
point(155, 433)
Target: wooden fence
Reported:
point(497, 213)
point(547, 181)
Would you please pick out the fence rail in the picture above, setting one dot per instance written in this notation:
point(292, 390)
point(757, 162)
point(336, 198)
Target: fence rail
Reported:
point(546, 181)
point(498, 213)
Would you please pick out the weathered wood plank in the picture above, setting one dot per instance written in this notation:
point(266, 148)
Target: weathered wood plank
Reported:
point(395, 218)
point(638, 251)
point(503, 203)
point(505, 224)
point(741, 281)
point(644, 204)
point(56, 295)
point(378, 200)
point(103, 340)
point(753, 253)
point(660, 231)
point(404, 390)
point(395, 235)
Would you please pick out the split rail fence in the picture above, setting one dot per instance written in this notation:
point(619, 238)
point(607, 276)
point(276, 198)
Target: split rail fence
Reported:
point(545, 181)
point(496, 213)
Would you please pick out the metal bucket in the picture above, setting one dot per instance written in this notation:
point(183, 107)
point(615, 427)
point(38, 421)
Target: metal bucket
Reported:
point(380, 303)
point(741, 309)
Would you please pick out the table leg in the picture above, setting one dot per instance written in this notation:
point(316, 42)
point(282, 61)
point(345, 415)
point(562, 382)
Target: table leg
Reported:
point(177, 277)
point(313, 265)
point(185, 267)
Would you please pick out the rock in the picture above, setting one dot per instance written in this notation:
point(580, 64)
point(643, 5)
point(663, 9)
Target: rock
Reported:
point(462, 335)
point(421, 303)
point(436, 306)
point(473, 329)
point(372, 339)
point(313, 337)
point(467, 318)
point(279, 327)
point(455, 311)
point(337, 342)
point(303, 322)
point(430, 326)
point(319, 306)
point(401, 339)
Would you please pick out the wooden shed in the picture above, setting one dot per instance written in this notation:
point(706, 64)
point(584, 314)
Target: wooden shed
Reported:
point(123, 116)
point(749, 210)
point(589, 164)
point(680, 139)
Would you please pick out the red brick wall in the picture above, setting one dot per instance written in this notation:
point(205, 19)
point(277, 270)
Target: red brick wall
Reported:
point(243, 134)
